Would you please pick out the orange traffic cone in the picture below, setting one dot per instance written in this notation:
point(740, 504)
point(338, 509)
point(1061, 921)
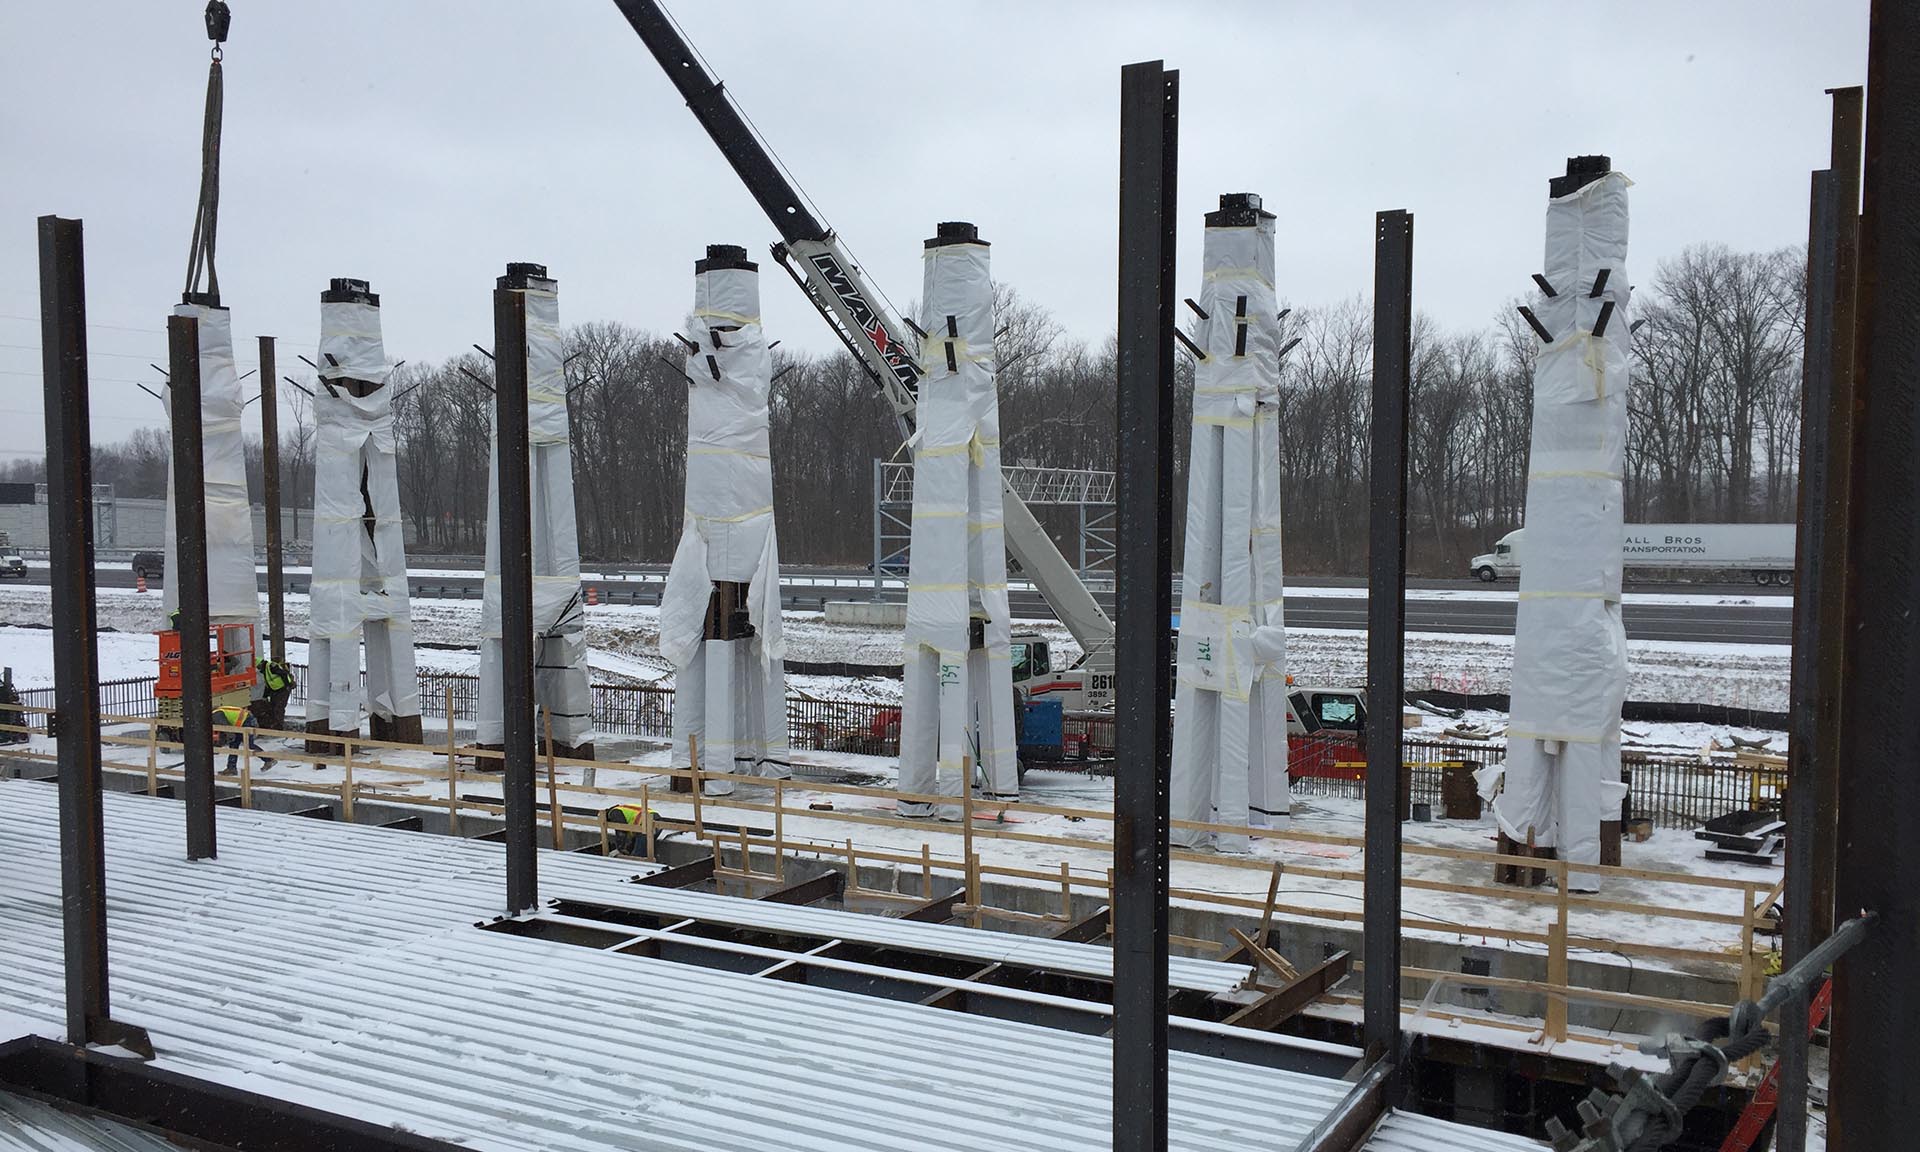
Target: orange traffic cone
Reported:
point(593, 595)
point(140, 582)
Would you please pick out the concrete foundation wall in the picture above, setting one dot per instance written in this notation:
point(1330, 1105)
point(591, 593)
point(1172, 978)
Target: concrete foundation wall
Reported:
point(867, 613)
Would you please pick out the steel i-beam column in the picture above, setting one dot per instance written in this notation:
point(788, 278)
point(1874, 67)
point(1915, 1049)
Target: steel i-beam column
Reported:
point(190, 535)
point(1875, 1062)
point(1386, 624)
point(516, 591)
point(1808, 769)
point(270, 468)
point(1149, 162)
point(76, 671)
point(1844, 162)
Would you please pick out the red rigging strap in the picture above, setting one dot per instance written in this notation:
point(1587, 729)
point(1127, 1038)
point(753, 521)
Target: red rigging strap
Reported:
point(206, 218)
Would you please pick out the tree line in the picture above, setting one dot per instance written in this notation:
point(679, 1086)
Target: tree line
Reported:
point(1714, 413)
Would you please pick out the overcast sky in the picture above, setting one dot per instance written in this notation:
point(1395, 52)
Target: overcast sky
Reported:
point(423, 145)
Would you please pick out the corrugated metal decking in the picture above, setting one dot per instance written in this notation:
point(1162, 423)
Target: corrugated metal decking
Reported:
point(26, 1125)
point(336, 966)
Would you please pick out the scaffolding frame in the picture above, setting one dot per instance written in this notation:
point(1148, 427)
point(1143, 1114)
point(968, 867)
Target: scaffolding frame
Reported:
point(1089, 491)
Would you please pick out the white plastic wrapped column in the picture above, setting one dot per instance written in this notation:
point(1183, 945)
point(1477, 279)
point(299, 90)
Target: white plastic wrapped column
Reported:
point(233, 592)
point(359, 587)
point(730, 694)
point(560, 682)
point(958, 704)
point(1569, 651)
point(1229, 732)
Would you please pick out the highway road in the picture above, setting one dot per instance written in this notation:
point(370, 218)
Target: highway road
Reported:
point(1726, 614)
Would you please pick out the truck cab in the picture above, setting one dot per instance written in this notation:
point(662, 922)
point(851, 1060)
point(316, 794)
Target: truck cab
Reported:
point(1082, 689)
point(1501, 563)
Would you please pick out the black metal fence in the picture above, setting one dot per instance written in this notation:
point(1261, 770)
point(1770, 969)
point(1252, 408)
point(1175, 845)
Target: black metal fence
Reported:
point(129, 697)
point(1672, 792)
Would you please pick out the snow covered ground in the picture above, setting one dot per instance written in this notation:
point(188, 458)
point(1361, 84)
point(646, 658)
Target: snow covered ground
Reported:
point(625, 640)
point(1303, 894)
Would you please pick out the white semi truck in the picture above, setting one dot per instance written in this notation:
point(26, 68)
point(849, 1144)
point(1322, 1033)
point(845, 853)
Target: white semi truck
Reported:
point(1764, 551)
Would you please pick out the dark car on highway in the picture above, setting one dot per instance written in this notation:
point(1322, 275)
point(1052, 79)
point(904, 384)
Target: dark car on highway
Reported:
point(150, 565)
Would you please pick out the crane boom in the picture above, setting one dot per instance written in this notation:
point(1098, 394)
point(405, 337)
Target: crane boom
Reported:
point(838, 288)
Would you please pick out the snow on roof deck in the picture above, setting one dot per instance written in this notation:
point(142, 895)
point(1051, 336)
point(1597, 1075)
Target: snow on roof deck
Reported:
point(338, 966)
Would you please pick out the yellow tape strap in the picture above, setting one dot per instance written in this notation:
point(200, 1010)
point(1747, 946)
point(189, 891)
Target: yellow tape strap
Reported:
point(692, 451)
point(718, 314)
point(1225, 421)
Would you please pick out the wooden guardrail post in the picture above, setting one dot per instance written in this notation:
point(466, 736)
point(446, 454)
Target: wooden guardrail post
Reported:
point(553, 792)
point(346, 781)
point(153, 756)
point(646, 816)
point(779, 828)
point(1557, 959)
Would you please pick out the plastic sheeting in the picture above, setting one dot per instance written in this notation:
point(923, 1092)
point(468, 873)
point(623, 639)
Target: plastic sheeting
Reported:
point(233, 593)
point(559, 613)
point(359, 587)
point(1569, 650)
point(1230, 717)
point(958, 703)
point(729, 694)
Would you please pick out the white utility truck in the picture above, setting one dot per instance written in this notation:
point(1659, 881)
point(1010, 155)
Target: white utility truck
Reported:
point(1765, 551)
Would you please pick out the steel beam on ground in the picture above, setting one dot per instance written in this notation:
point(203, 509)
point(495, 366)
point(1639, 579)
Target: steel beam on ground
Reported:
point(1386, 625)
point(1149, 160)
point(190, 558)
point(1875, 1062)
point(679, 876)
point(1808, 770)
point(516, 593)
point(270, 472)
point(76, 660)
point(821, 887)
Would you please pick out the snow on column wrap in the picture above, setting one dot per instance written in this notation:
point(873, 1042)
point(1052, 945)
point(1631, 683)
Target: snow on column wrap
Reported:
point(233, 593)
point(559, 613)
point(730, 694)
point(1230, 735)
point(1569, 651)
point(958, 701)
point(359, 588)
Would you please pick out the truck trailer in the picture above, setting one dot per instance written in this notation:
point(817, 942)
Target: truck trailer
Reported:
point(1764, 551)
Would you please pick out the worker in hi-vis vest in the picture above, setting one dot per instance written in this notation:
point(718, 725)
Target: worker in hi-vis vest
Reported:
point(272, 684)
point(242, 718)
point(632, 841)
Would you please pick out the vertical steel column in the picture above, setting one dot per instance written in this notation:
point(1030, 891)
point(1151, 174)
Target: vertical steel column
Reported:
point(516, 591)
point(190, 537)
point(1844, 163)
point(1386, 624)
point(879, 516)
point(1143, 603)
point(76, 669)
point(1808, 770)
point(270, 460)
point(1875, 1062)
